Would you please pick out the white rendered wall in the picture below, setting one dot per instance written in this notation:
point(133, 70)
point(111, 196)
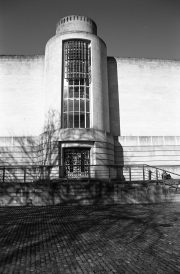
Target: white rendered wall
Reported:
point(74, 23)
point(19, 151)
point(21, 95)
point(159, 151)
point(149, 96)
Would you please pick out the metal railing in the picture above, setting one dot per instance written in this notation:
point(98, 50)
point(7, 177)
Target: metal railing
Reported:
point(128, 173)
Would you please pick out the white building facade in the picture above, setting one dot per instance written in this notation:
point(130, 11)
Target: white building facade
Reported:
point(76, 107)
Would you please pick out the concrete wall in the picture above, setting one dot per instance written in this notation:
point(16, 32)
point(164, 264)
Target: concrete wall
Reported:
point(149, 96)
point(99, 87)
point(18, 151)
point(21, 95)
point(84, 193)
point(76, 23)
point(159, 151)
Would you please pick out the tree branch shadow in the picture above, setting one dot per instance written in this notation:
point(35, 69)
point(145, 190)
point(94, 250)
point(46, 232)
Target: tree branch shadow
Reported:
point(31, 230)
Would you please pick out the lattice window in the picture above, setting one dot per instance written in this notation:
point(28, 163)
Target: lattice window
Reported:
point(76, 93)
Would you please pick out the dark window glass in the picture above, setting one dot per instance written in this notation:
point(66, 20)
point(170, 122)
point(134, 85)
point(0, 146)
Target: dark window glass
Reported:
point(87, 120)
point(70, 119)
point(76, 92)
point(82, 82)
point(81, 92)
point(82, 105)
point(70, 105)
point(65, 105)
point(87, 106)
point(70, 92)
point(76, 105)
point(87, 93)
point(82, 120)
point(76, 82)
point(76, 119)
point(65, 120)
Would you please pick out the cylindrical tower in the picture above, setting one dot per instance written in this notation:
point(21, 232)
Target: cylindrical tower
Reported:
point(76, 89)
point(76, 23)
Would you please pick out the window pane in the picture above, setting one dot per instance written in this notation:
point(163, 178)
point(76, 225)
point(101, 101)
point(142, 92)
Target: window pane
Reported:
point(82, 82)
point(65, 92)
point(87, 105)
point(81, 92)
point(77, 67)
point(76, 119)
point(65, 120)
point(87, 120)
point(70, 92)
point(70, 82)
point(77, 60)
point(81, 105)
point(87, 82)
point(76, 82)
point(76, 92)
point(87, 93)
point(70, 120)
point(76, 105)
point(70, 105)
point(82, 119)
point(65, 105)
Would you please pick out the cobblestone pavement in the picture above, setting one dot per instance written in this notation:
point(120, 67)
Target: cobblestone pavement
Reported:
point(90, 239)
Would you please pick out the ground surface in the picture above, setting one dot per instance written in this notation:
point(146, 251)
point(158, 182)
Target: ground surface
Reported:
point(90, 239)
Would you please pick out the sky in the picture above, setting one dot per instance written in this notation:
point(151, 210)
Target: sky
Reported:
point(130, 28)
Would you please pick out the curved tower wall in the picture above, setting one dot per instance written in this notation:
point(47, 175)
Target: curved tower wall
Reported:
point(76, 23)
point(99, 104)
point(97, 138)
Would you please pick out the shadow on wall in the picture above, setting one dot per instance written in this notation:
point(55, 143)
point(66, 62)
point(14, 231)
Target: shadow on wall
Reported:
point(114, 107)
point(114, 113)
point(25, 152)
point(119, 159)
point(56, 192)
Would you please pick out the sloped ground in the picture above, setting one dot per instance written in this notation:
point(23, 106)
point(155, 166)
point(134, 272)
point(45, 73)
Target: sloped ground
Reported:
point(90, 239)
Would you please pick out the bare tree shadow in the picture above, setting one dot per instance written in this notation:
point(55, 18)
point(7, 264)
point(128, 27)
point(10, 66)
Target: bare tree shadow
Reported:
point(32, 231)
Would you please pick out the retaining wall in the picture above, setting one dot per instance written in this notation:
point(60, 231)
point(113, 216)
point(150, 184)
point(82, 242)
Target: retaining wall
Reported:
point(84, 194)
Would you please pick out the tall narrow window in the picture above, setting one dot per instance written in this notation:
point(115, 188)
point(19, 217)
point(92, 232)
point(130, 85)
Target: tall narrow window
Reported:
point(77, 76)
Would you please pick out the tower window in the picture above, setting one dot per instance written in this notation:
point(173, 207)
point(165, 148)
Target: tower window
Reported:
point(77, 71)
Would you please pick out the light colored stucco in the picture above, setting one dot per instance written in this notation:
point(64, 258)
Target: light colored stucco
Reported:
point(21, 95)
point(149, 96)
point(75, 23)
point(159, 151)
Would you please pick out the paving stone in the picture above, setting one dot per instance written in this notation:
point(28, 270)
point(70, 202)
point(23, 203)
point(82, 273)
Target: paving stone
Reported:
point(90, 239)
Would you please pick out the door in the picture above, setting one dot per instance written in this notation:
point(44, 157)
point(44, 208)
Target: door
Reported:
point(76, 161)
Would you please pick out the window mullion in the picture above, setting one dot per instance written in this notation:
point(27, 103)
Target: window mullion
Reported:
point(77, 73)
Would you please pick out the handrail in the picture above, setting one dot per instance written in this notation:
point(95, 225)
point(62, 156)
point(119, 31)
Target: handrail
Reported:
point(162, 169)
point(34, 173)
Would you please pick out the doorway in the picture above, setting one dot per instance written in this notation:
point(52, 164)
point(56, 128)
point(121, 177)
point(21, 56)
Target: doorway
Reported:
point(76, 161)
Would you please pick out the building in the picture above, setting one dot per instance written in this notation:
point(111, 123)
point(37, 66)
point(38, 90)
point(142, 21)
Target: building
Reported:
point(75, 106)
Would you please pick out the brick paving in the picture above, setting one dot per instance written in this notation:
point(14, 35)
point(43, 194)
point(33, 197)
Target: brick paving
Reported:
point(90, 239)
